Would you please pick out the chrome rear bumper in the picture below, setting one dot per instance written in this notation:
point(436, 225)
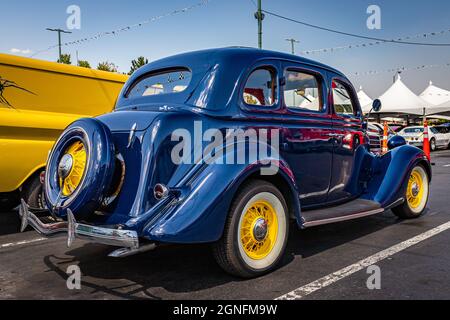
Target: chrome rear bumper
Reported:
point(127, 239)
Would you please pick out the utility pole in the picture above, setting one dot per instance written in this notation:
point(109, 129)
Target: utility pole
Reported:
point(259, 15)
point(293, 42)
point(59, 38)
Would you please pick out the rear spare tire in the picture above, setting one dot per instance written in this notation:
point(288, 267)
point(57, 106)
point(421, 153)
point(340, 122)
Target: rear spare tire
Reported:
point(80, 169)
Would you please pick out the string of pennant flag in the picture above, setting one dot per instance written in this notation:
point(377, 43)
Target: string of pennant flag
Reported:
point(400, 69)
point(374, 43)
point(126, 28)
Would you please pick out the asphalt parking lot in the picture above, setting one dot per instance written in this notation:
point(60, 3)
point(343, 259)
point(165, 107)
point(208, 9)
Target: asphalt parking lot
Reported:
point(35, 268)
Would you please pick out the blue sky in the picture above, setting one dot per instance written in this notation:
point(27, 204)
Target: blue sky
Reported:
point(226, 23)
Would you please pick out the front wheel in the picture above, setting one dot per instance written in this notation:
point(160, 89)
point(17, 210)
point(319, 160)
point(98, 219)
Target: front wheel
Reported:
point(416, 195)
point(256, 231)
point(433, 144)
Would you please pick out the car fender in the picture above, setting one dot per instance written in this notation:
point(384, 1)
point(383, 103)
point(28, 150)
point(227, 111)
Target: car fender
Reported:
point(390, 172)
point(200, 213)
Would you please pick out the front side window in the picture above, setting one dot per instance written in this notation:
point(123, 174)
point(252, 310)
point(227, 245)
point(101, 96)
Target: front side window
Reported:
point(261, 88)
point(342, 100)
point(172, 81)
point(302, 91)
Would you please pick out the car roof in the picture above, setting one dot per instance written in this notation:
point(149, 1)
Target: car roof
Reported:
point(219, 54)
point(210, 68)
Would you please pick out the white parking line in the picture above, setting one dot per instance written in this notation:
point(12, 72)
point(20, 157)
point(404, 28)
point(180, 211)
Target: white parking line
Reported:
point(447, 165)
point(360, 265)
point(13, 244)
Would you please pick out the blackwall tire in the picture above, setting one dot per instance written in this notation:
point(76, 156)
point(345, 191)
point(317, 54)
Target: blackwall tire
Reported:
point(231, 253)
point(433, 145)
point(33, 193)
point(98, 171)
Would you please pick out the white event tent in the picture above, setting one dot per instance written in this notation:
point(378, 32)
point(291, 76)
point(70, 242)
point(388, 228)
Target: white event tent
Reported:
point(400, 99)
point(435, 95)
point(364, 100)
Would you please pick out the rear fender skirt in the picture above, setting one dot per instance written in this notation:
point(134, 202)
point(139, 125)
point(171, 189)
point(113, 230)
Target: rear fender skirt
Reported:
point(390, 172)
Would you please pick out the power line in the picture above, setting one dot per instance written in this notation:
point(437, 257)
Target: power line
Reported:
point(127, 28)
point(353, 34)
point(368, 44)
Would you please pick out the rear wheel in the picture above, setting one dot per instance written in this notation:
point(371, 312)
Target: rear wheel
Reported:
point(416, 195)
point(33, 193)
point(255, 233)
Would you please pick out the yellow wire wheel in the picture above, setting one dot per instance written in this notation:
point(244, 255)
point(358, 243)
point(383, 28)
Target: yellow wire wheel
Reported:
point(256, 231)
point(259, 229)
point(262, 231)
point(72, 166)
point(417, 190)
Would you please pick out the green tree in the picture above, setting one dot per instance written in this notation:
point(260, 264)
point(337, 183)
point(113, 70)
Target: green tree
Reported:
point(107, 66)
point(137, 63)
point(84, 64)
point(65, 59)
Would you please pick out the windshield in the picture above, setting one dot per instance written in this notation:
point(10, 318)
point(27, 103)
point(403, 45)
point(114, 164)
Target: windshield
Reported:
point(161, 83)
point(413, 130)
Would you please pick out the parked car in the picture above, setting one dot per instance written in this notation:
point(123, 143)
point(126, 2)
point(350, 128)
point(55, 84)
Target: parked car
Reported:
point(445, 130)
point(38, 100)
point(375, 138)
point(380, 128)
point(414, 136)
point(166, 166)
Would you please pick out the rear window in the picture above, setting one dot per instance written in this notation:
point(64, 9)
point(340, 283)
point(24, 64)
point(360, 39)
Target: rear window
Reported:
point(161, 83)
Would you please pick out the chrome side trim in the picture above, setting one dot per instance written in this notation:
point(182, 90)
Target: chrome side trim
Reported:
point(343, 218)
point(113, 237)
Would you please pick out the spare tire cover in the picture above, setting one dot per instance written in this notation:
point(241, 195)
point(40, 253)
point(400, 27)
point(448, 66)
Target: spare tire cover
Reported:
point(95, 169)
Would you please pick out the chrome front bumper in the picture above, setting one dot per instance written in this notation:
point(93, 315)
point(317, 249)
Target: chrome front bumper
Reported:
point(128, 240)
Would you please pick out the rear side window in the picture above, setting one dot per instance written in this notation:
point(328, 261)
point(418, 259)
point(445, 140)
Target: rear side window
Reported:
point(261, 88)
point(302, 91)
point(342, 100)
point(171, 81)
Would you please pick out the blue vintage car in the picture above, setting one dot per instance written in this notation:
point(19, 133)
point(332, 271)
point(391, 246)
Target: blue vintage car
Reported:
point(226, 146)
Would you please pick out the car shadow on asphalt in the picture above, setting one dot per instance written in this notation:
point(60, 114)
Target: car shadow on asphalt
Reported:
point(9, 223)
point(192, 268)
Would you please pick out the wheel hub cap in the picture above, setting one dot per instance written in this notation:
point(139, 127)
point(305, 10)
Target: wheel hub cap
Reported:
point(415, 189)
point(71, 168)
point(65, 166)
point(260, 229)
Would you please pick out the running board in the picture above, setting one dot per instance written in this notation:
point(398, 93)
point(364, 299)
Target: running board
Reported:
point(352, 210)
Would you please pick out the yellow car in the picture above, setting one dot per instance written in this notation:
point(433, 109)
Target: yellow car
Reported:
point(38, 100)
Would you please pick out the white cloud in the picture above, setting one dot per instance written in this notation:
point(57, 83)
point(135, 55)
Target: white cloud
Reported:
point(20, 51)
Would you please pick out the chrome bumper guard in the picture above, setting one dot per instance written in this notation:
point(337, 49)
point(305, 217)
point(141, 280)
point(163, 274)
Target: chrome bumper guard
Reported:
point(126, 239)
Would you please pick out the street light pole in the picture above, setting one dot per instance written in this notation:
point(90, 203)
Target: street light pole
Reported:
point(293, 42)
point(259, 15)
point(59, 38)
